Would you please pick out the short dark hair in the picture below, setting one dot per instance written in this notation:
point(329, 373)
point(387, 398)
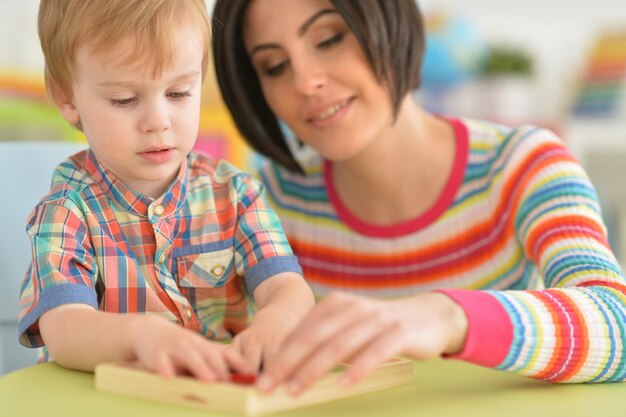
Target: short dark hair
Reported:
point(391, 33)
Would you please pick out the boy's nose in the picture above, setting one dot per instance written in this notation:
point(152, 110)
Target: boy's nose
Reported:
point(155, 119)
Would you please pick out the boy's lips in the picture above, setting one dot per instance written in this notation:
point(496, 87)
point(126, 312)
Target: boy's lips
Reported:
point(157, 154)
point(156, 148)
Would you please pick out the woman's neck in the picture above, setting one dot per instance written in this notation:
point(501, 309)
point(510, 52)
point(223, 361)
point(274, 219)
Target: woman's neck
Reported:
point(402, 173)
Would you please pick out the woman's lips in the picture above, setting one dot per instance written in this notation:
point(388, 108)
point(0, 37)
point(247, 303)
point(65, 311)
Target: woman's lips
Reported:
point(331, 113)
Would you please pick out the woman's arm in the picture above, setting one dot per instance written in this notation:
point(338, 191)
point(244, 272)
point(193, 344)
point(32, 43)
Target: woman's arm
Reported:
point(363, 332)
point(572, 331)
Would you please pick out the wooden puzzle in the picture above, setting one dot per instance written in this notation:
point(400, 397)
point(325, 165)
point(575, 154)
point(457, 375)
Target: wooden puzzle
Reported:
point(240, 396)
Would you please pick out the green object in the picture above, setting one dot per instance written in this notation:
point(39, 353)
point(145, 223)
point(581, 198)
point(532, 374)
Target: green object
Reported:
point(441, 388)
point(508, 61)
point(32, 120)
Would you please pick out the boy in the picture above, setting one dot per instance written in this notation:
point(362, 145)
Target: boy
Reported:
point(138, 224)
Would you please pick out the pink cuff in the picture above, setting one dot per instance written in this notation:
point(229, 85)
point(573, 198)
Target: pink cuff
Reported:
point(490, 331)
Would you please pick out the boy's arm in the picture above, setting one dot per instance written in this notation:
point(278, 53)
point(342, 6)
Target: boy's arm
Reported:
point(80, 337)
point(282, 301)
point(286, 292)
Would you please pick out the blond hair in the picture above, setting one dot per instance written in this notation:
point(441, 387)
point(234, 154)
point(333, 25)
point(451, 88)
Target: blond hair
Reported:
point(66, 25)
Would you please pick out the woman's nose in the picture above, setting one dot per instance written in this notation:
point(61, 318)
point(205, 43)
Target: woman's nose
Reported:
point(310, 79)
point(155, 118)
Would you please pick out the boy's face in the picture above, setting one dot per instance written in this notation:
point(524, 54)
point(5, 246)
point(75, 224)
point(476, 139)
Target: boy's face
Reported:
point(139, 127)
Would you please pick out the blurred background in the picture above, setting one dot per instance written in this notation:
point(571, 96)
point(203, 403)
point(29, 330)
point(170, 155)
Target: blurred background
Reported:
point(560, 64)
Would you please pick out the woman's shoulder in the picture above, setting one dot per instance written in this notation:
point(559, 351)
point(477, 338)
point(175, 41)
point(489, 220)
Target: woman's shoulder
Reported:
point(312, 175)
point(488, 136)
point(490, 143)
point(284, 184)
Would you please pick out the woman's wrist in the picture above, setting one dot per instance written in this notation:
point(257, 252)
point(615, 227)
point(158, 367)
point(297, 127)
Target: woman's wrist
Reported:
point(455, 321)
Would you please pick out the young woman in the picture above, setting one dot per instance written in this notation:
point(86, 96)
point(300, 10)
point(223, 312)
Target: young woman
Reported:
point(424, 235)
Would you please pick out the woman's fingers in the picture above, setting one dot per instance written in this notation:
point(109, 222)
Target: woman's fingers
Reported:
point(376, 351)
point(320, 339)
point(339, 349)
point(323, 324)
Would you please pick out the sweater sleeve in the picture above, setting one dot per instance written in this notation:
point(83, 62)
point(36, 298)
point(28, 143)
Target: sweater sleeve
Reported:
point(574, 330)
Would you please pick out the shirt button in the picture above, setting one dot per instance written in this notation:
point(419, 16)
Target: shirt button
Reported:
point(162, 258)
point(218, 270)
point(159, 210)
point(188, 313)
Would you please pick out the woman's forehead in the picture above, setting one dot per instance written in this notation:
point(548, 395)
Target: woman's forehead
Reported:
point(267, 20)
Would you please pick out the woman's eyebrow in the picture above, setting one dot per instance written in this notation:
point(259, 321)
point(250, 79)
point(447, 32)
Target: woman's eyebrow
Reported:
point(301, 31)
point(307, 24)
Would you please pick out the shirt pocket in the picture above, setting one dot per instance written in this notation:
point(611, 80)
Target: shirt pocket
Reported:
point(206, 270)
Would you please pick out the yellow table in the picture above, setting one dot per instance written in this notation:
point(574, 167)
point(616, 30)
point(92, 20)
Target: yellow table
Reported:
point(441, 388)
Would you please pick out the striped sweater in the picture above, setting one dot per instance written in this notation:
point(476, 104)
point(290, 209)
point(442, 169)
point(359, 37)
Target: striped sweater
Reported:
point(516, 238)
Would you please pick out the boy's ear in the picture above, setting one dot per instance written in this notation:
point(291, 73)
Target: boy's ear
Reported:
point(66, 106)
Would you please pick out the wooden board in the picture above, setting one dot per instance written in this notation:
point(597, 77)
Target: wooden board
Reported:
point(237, 398)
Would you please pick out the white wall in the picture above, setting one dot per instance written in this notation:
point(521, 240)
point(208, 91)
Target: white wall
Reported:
point(557, 32)
point(19, 45)
point(560, 26)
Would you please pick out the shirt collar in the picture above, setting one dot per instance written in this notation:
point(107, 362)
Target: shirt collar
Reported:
point(132, 201)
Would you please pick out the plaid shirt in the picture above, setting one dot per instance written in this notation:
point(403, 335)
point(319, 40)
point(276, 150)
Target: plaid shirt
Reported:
point(182, 256)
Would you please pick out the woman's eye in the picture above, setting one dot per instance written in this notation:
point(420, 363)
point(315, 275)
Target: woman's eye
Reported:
point(331, 41)
point(123, 102)
point(179, 95)
point(276, 70)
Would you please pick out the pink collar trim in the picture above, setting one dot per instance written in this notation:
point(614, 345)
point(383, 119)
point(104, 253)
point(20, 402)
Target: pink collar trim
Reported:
point(429, 216)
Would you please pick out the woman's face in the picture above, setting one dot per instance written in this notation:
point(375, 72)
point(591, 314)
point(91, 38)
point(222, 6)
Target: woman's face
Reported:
point(315, 76)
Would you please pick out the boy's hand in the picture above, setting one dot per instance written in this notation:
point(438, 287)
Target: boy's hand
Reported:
point(80, 337)
point(263, 337)
point(168, 349)
point(282, 302)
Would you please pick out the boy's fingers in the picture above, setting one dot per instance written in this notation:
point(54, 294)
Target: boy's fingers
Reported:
point(236, 345)
point(163, 366)
point(214, 357)
point(196, 364)
point(236, 362)
point(253, 355)
point(268, 353)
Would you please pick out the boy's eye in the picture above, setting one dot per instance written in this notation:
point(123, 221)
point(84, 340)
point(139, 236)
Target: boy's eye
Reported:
point(331, 41)
point(179, 95)
point(123, 102)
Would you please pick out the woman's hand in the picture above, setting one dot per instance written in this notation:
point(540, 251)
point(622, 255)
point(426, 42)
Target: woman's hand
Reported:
point(363, 332)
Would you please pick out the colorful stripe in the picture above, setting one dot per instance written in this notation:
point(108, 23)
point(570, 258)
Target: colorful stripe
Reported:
point(525, 217)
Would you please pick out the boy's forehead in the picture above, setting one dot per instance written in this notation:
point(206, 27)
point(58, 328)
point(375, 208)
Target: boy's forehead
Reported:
point(130, 56)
